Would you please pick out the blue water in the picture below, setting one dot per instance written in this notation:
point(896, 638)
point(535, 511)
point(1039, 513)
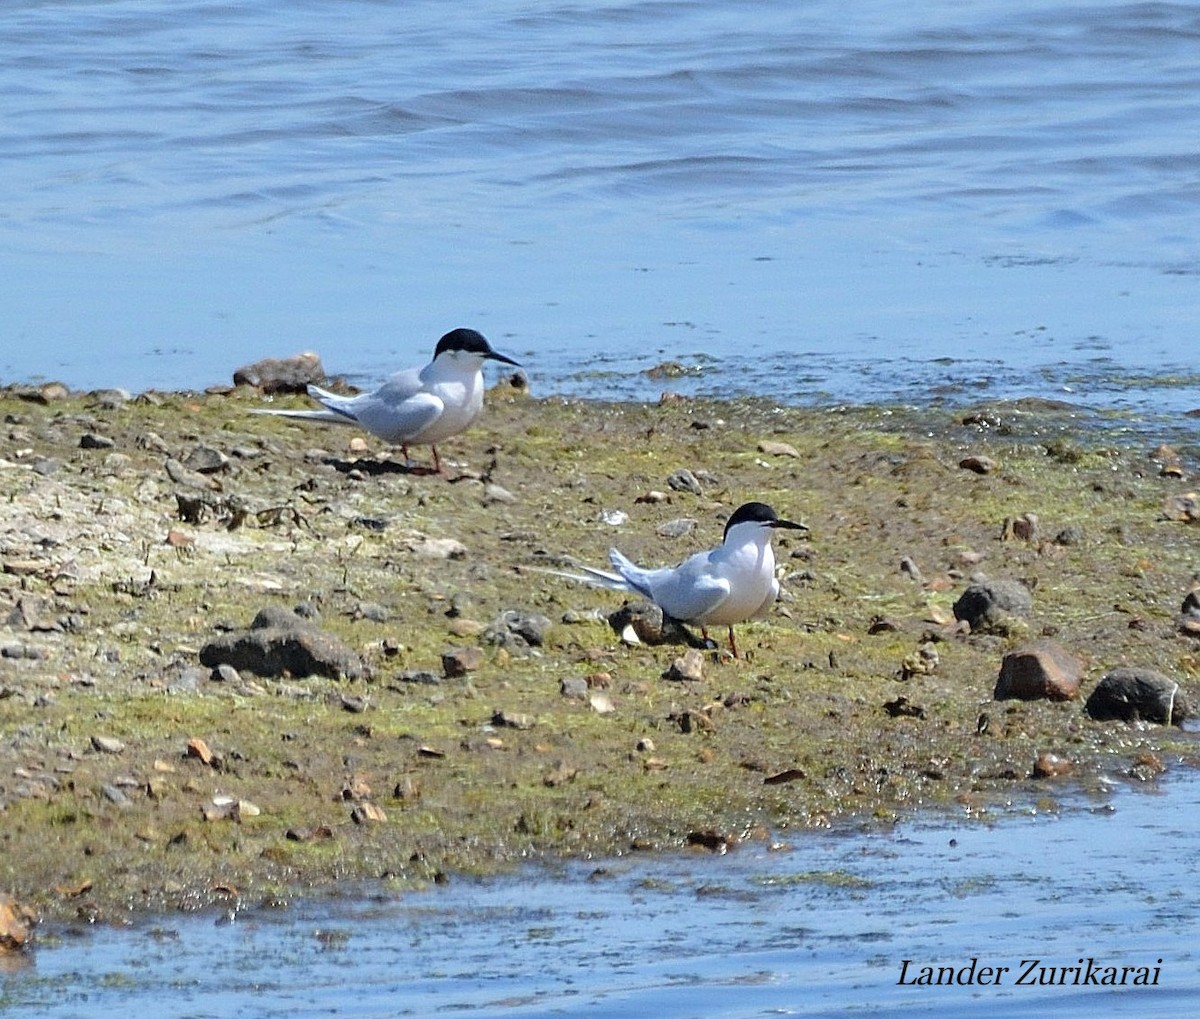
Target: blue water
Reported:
point(821, 202)
point(819, 928)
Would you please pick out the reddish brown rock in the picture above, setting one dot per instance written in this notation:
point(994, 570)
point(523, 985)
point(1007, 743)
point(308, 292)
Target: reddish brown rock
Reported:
point(1051, 765)
point(1040, 671)
point(15, 923)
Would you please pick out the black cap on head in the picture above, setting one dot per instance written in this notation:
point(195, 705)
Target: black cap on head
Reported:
point(759, 513)
point(471, 341)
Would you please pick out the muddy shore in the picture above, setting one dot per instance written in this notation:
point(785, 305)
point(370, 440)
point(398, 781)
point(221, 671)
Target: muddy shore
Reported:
point(488, 713)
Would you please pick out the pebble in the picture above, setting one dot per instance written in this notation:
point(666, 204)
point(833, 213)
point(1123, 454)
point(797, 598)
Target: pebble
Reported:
point(1050, 765)
point(689, 667)
point(510, 720)
point(440, 548)
point(206, 460)
point(684, 480)
point(518, 627)
point(574, 688)
point(978, 464)
point(107, 745)
point(460, 661)
point(678, 528)
point(613, 517)
point(493, 493)
point(282, 375)
point(985, 602)
point(770, 447)
point(90, 440)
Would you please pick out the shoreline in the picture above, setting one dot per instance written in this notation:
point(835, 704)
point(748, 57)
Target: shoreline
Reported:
point(139, 532)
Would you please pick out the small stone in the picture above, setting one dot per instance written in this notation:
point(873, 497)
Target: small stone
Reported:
point(1042, 670)
point(493, 493)
point(1023, 528)
point(984, 604)
point(1185, 508)
point(372, 611)
point(645, 745)
point(15, 924)
point(613, 517)
point(652, 497)
point(460, 661)
point(368, 813)
point(516, 627)
point(601, 703)
point(224, 673)
point(198, 749)
point(922, 662)
point(90, 440)
point(115, 795)
point(1049, 765)
point(282, 375)
point(509, 720)
point(440, 548)
point(770, 447)
point(574, 688)
point(466, 627)
point(407, 789)
point(561, 774)
point(1070, 535)
point(678, 528)
point(689, 667)
point(909, 567)
point(978, 464)
point(107, 745)
point(684, 480)
point(206, 460)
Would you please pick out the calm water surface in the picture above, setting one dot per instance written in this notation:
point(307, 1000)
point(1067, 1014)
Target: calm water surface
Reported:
point(821, 202)
point(821, 928)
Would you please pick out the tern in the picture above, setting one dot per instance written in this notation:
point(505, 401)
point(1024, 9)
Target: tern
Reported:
point(418, 406)
point(728, 584)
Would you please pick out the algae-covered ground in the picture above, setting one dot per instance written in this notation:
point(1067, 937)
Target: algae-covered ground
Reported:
point(120, 563)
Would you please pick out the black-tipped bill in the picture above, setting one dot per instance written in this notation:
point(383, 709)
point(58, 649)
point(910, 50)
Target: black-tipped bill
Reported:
point(788, 524)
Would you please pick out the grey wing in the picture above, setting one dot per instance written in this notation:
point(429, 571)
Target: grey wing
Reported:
point(398, 411)
point(688, 592)
point(690, 599)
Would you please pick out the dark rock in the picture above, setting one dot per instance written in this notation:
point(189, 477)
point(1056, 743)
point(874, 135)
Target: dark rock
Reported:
point(90, 440)
point(206, 460)
point(280, 643)
point(1070, 535)
point(1191, 603)
point(281, 375)
point(528, 629)
point(1135, 694)
point(984, 604)
point(574, 688)
point(684, 480)
point(1043, 670)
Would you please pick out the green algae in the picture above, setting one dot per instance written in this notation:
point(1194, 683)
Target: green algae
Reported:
point(126, 611)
